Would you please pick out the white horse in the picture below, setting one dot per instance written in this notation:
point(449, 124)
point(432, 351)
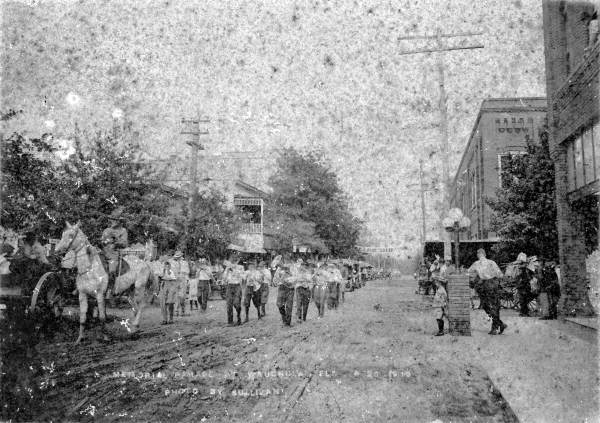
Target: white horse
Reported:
point(142, 278)
point(92, 278)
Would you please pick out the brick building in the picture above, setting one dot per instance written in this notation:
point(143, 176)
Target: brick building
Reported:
point(501, 129)
point(571, 50)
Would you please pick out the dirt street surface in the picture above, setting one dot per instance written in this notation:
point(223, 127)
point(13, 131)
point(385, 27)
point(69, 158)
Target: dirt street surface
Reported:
point(374, 359)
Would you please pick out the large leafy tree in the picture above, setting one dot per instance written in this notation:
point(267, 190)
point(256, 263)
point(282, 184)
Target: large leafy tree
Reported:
point(209, 227)
point(308, 205)
point(524, 211)
point(41, 191)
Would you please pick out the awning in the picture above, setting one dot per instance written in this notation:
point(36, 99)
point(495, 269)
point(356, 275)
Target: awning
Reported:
point(246, 249)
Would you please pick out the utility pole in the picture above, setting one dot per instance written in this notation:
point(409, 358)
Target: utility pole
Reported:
point(424, 229)
point(443, 107)
point(191, 127)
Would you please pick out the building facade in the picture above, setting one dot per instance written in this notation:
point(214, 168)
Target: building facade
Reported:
point(571, 49)
point(501, 129)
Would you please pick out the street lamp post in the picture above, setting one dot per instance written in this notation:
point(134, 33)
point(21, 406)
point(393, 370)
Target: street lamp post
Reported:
point(456, 223)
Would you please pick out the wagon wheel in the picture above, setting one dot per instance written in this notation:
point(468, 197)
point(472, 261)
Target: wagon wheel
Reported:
point(37, 289)
point(509, 298)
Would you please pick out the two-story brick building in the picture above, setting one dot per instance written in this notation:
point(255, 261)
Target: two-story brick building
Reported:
point(572, 49)
point(500, 130)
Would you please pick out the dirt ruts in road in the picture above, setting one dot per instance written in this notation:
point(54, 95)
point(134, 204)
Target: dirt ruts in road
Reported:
point(359, 363)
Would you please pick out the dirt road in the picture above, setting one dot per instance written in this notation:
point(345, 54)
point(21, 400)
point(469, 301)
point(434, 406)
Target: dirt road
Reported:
point(374, 359)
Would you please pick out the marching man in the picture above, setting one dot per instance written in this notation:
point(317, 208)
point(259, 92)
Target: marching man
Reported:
point(254, 280)
point(233, 278)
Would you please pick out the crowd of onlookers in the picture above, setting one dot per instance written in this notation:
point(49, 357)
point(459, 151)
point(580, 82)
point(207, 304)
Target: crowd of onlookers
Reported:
point(530, 277)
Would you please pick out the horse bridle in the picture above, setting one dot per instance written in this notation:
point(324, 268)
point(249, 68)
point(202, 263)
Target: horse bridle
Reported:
point(77, 251)
point(73, 240)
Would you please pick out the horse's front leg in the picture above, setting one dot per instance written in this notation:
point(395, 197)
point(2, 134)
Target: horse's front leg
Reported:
point(138, 301)
point(102, 314)
point(83, 307)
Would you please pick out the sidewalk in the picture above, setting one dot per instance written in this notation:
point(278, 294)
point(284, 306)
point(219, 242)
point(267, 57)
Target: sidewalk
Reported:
point(544, 372)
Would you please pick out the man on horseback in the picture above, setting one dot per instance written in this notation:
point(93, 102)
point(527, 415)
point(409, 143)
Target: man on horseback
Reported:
point(113, 238)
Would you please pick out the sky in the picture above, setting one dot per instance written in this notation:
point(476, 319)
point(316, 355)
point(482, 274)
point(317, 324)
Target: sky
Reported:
point(315, 74)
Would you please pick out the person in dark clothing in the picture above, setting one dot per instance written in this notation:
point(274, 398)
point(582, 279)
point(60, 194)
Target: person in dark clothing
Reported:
point(285, 294)
point(303, 285)
point(524, 276)
point(486, 273)
point(550, 285)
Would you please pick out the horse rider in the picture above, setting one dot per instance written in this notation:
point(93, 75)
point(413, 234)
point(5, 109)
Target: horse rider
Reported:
point(113, 238)
point(488, 287)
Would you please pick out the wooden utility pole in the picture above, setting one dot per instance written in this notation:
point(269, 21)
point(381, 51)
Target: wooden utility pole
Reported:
point(191, 127)
point(424, 229)
point(443, 107)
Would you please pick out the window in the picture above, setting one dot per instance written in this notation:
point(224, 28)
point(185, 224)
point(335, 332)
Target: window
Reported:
point(588, 156)
point(596, 145)
point(583, 167)
point(578, 153)
point(473, 189)
point(570, 167)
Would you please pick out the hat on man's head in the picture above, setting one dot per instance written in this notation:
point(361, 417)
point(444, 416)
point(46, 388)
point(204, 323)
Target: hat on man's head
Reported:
point(117, 214)
point(178, 254)
point(521, 258)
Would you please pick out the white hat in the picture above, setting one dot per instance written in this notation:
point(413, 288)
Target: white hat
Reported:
point(521, 258)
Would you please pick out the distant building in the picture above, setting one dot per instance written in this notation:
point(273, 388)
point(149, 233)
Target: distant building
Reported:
point(500, 130)
point(242, 196)
point(571, 49)
point(249, 200)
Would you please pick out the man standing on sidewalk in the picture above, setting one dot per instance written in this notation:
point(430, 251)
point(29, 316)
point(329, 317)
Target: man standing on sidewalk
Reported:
point(488, 273)
point(549, 284)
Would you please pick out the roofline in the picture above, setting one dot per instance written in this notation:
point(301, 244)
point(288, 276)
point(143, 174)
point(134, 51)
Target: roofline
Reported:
point(483, 110)
point(260, 192)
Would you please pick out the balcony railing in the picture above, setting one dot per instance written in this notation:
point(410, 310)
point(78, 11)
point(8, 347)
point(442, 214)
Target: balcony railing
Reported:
point(252, 228)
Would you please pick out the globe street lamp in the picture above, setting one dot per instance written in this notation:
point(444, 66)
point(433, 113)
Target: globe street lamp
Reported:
point(456, 223)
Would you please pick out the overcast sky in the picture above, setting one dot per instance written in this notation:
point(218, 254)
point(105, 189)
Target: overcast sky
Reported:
point(326, 74)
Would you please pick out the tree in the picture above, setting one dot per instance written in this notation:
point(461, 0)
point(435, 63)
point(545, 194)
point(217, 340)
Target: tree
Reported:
point(308, 205)
point(524, 212)
point(212, 227)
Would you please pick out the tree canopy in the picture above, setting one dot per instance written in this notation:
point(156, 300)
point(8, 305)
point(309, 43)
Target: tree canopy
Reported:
point(524, 210)
point(41, 191)
point(308, 206)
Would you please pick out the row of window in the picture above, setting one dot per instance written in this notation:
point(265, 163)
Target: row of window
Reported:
point(583, 158)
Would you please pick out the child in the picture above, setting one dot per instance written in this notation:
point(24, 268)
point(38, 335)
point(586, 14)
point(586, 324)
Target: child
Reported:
point(440, 306)
point(168, 291)
point(193, 293)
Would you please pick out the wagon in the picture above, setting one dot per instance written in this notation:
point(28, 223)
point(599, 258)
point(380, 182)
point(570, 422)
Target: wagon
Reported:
point(33, 293)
